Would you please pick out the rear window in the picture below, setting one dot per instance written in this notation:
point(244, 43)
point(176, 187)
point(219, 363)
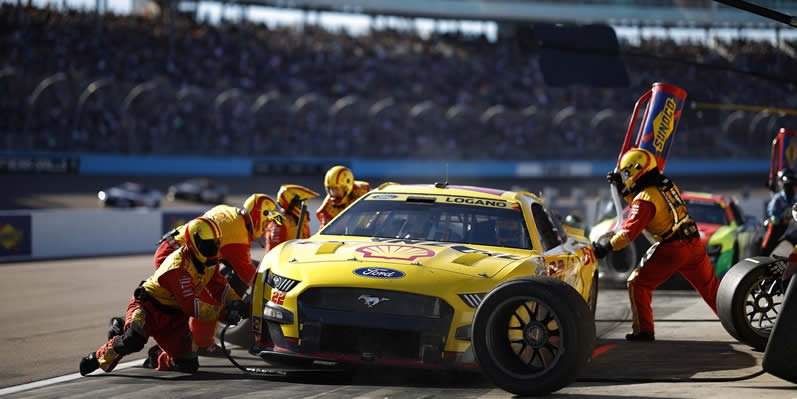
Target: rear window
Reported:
point(434, 218)
point(707, 212)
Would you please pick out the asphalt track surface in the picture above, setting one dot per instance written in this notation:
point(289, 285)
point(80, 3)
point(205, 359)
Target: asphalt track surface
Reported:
point(54, 312)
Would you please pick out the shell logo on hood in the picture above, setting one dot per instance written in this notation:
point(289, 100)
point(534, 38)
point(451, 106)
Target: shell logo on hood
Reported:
point(395, 252)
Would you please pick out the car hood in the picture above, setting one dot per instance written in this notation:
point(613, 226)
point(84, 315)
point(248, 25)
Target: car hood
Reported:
point(361, 262)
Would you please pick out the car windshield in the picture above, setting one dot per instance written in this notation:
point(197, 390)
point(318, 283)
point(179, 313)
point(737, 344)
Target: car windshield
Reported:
point(707, 212)
point(433, 218)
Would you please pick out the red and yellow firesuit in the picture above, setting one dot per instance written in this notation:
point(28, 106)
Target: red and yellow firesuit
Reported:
point(236, 241)
point(660, 210)
point(329, 209)
point(172, 296)
point(276, 234)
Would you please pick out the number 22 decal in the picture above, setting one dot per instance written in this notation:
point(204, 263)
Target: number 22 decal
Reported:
point(278, 297)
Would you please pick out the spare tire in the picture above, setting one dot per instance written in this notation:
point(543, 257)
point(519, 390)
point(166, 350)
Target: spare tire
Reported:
point(533, 335)
point(749, 300)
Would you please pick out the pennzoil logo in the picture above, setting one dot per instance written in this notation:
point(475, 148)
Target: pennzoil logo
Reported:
point(10, 237)
point(395, 252)
point(663, 124)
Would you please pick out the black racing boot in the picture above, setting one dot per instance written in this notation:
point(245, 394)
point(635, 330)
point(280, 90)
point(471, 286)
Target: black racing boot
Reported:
point(151, 362)
point(89, 364)
point(641, 336)
point(116, 327)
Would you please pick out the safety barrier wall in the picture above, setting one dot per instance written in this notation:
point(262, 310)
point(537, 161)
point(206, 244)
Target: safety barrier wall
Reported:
point(103, 164)
point(61, 233)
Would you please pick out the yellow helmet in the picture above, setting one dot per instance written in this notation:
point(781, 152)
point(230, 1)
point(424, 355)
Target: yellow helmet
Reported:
point(339, 182)
point(261, 209)
point(290, 197)
point(634, 164)
point(203, 238)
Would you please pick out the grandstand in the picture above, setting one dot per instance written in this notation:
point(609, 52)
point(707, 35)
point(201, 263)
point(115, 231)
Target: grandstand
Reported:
point(77, 82)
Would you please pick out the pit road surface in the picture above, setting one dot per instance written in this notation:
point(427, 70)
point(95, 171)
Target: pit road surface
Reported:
point(54, 312)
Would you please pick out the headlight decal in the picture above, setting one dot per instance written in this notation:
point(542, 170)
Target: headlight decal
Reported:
point(280, 283)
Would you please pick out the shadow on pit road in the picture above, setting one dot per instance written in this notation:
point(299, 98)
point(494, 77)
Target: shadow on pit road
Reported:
point(687, 355)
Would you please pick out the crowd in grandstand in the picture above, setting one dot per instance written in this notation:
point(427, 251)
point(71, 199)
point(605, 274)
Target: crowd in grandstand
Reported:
point(127, 84)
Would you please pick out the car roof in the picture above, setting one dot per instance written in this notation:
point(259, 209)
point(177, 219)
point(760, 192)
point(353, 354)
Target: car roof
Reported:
point(701, 196)
point(466, 191)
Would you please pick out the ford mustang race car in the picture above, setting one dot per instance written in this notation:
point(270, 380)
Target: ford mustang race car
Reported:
point(396, 278)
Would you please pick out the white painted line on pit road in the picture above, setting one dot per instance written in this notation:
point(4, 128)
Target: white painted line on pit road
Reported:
point(64, 378)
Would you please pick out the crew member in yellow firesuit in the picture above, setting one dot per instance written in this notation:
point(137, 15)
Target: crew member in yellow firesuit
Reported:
point(162, 304)
point(342, 190)
point(239, 227)
point(290, 198)
point(656, 206)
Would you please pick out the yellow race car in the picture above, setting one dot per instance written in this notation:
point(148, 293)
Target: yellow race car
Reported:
point(397, 278)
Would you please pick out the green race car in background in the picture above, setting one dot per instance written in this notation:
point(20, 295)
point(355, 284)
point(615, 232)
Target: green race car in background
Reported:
point(725, 232)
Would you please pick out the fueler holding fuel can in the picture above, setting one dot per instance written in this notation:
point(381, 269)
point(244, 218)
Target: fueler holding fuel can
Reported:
point(657, 208)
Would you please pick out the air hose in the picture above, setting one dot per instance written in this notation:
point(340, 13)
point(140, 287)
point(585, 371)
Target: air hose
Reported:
point(248, 370)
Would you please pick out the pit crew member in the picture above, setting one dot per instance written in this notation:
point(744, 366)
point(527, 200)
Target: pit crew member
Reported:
point(290, 198)
point(656, 206)
point(778, 211)
point(342, 190)
point(162, 304)
point(240, 227)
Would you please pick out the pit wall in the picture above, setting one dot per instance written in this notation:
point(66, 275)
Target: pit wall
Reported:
point(70, 233)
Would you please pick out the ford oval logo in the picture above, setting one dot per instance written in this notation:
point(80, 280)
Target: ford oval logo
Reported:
point(384, 196)
point(378, 272)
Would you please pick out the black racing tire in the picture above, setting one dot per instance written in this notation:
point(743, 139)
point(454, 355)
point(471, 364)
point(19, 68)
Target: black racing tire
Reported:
point(748, 301)
point(533, 335)
point(781, 351)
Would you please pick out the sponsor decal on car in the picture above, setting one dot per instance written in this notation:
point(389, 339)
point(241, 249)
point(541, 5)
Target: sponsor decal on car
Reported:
point(15, 236)
point(477, 201)
point(278, 297)
point(379, 272)
point(383, 196)
point(371, 301)
point(395, 252)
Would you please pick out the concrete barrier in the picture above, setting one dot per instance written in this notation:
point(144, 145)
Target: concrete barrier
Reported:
point(62, 233)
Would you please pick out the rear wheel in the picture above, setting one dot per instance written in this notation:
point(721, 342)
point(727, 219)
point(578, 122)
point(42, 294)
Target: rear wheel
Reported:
point(533, 335)
point(749, 300)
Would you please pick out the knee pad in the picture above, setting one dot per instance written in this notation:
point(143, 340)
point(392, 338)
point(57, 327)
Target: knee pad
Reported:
point(186, 365)
point(130, 342)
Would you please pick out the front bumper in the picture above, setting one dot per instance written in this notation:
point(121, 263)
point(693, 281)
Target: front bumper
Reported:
point(340, 324)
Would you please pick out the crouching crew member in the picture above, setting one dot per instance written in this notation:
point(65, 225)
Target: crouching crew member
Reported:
point(162, 304)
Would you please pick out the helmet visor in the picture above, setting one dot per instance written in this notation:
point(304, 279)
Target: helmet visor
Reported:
point(208, 248)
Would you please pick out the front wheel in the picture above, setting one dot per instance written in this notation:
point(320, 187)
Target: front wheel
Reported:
point(749, 300)
point(533, 335)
